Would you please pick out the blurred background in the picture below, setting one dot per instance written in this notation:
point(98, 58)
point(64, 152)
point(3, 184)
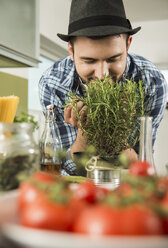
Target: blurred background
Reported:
point(29, 45)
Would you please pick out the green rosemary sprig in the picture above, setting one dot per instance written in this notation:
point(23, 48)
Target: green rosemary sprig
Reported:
point(112, 113)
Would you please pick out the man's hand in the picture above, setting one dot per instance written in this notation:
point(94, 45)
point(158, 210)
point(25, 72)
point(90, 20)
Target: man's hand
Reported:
point(70, 117)
point(131, 155)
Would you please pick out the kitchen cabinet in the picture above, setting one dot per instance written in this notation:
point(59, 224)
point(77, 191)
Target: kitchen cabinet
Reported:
point(20, 36)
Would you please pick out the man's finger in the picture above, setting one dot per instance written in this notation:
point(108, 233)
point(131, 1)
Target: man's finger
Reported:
point(82, 112)
point(73, 118)
point(79, 105)
point(67, 114)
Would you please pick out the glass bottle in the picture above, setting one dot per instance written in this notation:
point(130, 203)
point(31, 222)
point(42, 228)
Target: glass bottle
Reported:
point(18, 153)
point(145, 145)
point(50, 144)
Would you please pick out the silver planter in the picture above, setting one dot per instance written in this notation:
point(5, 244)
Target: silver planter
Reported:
point(105, 177)
point(103, 173)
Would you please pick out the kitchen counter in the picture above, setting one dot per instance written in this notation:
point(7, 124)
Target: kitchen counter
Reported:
point(5, 243)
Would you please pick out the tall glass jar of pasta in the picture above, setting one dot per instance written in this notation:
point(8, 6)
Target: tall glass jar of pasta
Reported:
point(18, 153)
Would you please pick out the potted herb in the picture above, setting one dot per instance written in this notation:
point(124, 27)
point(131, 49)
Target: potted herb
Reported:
point(112, 111)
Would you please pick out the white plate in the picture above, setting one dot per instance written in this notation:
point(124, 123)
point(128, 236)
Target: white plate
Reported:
point(49, 239)
point(8, 206)
point(34, 238)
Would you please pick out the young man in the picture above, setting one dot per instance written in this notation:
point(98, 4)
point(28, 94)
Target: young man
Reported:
point(99, 37)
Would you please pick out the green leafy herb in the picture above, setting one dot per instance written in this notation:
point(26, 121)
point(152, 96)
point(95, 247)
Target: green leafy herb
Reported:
point(111, 120)
point(25, 117)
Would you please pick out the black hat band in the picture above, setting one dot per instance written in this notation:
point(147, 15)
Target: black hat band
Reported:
point(93, 21)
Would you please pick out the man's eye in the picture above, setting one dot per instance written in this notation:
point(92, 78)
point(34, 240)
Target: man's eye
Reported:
point(89, 61)
point(112, 60)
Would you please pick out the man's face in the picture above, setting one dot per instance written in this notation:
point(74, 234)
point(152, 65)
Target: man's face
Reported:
point(96, 58)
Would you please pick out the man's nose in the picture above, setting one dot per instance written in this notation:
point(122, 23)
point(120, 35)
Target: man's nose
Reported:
point(101, 70)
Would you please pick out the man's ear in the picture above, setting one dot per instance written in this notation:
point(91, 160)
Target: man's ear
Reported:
point(70, 50)
point(129, 42)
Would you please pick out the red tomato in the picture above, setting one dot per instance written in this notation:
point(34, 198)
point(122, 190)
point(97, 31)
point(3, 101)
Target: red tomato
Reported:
point(140, 220)
point(162, 186)
point(75, 208)
point(141, 168)
point(125, 189)
point(86, 191)
point(42, 176)
point(106, 220)
point(164, 202)
point(101, 193)
point(28, 193)
point(46, 215)
point(164, 222)
point(98, 220)
point(164, 208)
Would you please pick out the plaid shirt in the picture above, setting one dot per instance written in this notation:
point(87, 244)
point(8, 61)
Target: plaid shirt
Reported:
point(61, 78)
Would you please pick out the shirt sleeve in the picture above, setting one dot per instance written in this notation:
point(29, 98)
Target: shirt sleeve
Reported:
point(156, 103)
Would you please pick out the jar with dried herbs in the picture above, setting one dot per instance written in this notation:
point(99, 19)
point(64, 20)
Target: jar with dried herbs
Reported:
point(18, 153)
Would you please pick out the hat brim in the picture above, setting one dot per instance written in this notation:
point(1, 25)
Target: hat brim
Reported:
point(99, 31)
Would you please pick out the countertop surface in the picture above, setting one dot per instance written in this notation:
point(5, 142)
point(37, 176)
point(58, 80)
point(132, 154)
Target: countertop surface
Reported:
point(5, 243)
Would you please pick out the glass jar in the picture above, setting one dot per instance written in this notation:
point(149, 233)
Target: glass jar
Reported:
point(18, 153)
point(50, 144)
point(145, 143)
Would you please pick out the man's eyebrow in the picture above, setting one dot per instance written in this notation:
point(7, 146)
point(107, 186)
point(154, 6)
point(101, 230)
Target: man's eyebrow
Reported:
point(87, 58)
point(112, 57)
point(115, 56)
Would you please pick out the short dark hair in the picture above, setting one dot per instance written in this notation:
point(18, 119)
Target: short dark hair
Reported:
point(72, 38)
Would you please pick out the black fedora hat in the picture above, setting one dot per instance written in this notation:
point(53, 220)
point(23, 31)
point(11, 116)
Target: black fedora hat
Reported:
point(97, 18)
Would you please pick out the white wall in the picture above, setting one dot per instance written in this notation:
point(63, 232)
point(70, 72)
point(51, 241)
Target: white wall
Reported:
point(20, 72)
point(152, 41)
point(161, 146)
point(146, 10)
point(54, 18)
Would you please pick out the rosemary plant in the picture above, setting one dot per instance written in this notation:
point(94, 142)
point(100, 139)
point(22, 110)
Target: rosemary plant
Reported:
point(112, 114)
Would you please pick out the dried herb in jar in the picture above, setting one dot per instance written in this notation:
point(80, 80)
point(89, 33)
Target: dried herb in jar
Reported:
point(11, 167)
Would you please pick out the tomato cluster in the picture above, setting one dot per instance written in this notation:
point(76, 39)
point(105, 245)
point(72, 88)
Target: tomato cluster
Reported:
point(139, 206)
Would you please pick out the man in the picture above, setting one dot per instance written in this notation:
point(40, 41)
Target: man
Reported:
point(99, 37)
